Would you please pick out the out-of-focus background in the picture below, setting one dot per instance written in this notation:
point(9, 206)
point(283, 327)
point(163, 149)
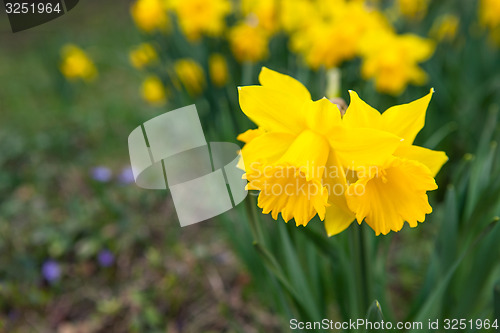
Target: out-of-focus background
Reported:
point(82, 249)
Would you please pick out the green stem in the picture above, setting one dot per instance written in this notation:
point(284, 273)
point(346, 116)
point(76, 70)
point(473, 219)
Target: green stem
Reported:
point(367, 276)
point(362, 271)
point(356, 267)
point(247, 70)
point(232, 109)
point(251, 207)
point(322, 81)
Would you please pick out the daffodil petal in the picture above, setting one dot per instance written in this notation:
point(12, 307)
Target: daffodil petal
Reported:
point(277, 81)
point(309, 152)
point(271, 109)
point(250, 134)
point(406, 120)
point(363, 146)
point(360, 114)
point(338, 215)
point(422, 49)
point(337, 219)
point(322, 116)
point(432, 159)
point(267, 148)
point(334, 178)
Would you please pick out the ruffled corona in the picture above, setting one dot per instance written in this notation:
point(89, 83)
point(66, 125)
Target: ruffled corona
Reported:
point(395, 193)
point(292, 185)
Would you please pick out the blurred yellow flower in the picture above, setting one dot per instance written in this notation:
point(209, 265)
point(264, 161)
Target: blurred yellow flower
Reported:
point(153, 91)
point(296, 14)
point(445, 28)
point(392, 60)
point(190, 75)
point(296, 158)
point(489, 17)
point(413, 9)
point(150, 15)
point(334, 36)
point(489, 13)
point(143, 55)
point(264, 12)
point(248, 42)
point(198, 17)
point(218, 70)
point(76, 64)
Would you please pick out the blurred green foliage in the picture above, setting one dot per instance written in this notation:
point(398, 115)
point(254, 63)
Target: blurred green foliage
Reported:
point(53, 134)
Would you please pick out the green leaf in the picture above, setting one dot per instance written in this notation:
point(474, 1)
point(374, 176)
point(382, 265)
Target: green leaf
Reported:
point(295, 272)
point(496, 302)
point(484, 263)
point(480, 177)
point(440, 135)
point(446, 243)
point(430, 309)
point(342, 276)
point(277, 270)
point(374, 314)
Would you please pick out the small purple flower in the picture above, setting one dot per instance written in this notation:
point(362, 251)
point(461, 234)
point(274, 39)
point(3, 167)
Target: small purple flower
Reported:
point(126, 176)
point(51, 270)
point(13, 315)
point(105, 258)
point(101, 174)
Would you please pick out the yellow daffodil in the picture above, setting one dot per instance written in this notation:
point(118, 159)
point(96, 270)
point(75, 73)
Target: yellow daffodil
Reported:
point(217, 66)
point(248, 42)
point(444, 28)
point(306, 159)
point(265, 12)
point(489, 17)
point(296, 14)
point(199, 17)
point(334, 36)
point(489, 13)
point(395, 191)
point(296, 158)
point(143, 55)
point(191, 75)
point(153, 91)
point(76, 64)
point(413, 9)
point(392, 60)
point(150, 15)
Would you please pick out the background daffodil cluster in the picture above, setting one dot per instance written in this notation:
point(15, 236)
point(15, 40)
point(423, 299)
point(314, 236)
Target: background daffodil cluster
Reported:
point(319, 35)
